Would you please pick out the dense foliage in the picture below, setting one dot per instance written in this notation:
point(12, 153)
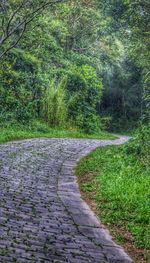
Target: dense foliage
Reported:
point(87, 44)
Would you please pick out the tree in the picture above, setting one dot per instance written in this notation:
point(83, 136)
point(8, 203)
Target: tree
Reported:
point(15, 17)
point(139, 48)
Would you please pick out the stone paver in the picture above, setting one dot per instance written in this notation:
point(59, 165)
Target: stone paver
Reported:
point(42, 216)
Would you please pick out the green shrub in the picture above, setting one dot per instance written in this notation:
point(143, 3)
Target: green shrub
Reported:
point(139, 146)
point(20, 85)
point(84, 89)
point(88, 122)
point(105, 122)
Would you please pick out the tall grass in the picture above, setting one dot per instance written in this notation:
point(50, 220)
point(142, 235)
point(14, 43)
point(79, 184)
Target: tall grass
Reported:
point(54, 104)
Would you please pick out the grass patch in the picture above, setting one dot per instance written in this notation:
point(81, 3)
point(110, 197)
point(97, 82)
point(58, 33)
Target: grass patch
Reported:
point(119, 185)
point(37, 129)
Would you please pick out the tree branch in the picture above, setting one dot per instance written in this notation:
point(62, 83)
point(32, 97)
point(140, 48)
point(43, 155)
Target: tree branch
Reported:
point(14, 44)
point(7, 33)
point(13, 15)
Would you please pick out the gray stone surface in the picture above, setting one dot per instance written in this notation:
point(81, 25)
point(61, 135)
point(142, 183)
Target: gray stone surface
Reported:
point(42, 215)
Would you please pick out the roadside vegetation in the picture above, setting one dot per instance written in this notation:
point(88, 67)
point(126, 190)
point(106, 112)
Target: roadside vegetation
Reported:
point(39, 129)
point(117, 180)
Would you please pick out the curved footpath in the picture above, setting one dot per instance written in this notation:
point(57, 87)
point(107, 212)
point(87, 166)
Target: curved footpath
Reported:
point(42, 215)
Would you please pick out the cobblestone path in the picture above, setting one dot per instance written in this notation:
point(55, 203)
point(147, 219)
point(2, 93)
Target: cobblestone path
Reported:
point(42, 216)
